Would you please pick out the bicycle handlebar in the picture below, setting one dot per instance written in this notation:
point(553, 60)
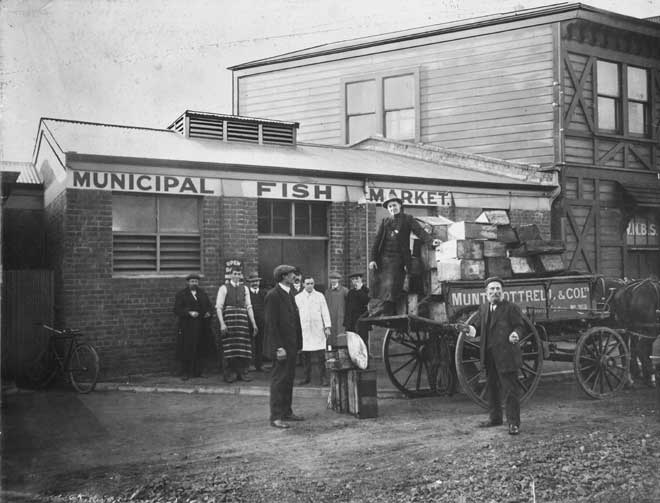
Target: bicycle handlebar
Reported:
point(60, 331)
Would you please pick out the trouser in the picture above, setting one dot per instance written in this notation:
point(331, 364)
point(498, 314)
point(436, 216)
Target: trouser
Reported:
point(319, 356)
point(237, 365)
point(281, 385)
point(258, 348)
point(502, 383)
point(191, 367)
point(641, 348)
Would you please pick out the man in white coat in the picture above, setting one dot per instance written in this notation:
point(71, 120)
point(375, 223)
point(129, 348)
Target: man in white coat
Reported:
point(316, 327)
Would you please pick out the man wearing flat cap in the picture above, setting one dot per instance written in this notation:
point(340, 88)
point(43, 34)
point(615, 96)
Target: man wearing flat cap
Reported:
point(500, 325)
point(194, 311)
point(282, 334)
point(390, 254)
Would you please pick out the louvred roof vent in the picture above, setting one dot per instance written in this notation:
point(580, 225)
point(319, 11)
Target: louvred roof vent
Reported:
point(235, 128)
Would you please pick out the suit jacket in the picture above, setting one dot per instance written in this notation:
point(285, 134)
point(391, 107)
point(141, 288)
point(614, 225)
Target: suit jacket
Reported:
point(356, 305)
point(405, 225)
point(258, 305)
point(495, 333)
point(192, 330)
point(281, 321)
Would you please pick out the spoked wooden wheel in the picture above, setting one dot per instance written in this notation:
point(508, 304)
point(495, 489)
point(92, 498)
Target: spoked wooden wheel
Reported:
point(472, 375)
point(413, 362)
point(601, 362)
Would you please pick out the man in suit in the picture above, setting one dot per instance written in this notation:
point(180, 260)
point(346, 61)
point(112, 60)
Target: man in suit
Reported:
point(284, 336)
point(257, 296)
point(390, 255)
point(500, 325)
point(335, 296)
point(193, 310)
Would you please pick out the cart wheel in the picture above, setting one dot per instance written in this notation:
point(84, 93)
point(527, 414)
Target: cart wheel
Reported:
point(601, 362)
point(411, 362)
point(472, 375)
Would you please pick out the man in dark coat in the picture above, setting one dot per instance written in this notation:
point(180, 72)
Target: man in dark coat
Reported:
point(357, 301)
point(284, 336)
point(500, 324)
point(194, 310)
point(390, 254)
point(258, 298)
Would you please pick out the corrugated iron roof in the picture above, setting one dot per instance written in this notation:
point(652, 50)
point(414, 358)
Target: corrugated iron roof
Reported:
point(79, 139)
point(26, 170)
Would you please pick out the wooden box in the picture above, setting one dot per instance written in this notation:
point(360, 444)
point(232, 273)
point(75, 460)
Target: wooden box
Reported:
point(498, 217)
point(494, 249)
point(338, 397)
point(413, 303)
point(528, 232)
point(471, 230)
point(498, 266)
point(435, 226)
point(427, 255)
point(507, 234)
point(522, 266)
point(460, 248)
point(550, 263)
point(458, 269)
point(362, 393)
point(432, 283)
point(540, 246)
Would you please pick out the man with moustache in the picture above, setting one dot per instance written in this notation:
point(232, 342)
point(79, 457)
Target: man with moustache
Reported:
point(500, 325)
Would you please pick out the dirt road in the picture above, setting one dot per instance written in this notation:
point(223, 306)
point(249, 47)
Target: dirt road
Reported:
point(118, 446)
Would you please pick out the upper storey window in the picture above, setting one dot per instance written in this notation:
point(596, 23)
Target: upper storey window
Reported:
point(385, 105)
point(623, 99)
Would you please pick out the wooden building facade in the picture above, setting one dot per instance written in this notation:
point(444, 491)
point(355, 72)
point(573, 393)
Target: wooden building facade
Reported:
point(569, 87)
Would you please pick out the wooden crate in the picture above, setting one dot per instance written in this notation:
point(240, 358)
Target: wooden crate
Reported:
point(528, 232)
point(541, 246)
point(472, 230)
point(458, 269)
point(498, 217)
point(507, 234)
point(494, 249)
point(550, 263)
point(338, 399)
point(428, 256)
point(435, 226)
point(432, 283)
point(362, 393)
point(498, 266)
point(460, 248)
point(522, 266)
point(413, 303)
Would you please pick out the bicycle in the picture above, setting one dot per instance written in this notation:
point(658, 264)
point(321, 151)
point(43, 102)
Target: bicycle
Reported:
point(78, 360)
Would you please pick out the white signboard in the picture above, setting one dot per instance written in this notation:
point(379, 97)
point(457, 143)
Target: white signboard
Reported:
point(135, 182)
point(410, 197)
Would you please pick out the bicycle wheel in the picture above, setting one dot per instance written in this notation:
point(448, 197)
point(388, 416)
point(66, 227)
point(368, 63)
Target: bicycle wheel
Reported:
point(40, 371)
point(84, 368)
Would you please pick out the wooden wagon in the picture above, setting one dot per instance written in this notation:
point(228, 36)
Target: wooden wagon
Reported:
point(426, 353)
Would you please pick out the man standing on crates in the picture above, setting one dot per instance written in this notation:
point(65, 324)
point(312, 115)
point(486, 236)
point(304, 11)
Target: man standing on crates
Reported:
point(500, 326)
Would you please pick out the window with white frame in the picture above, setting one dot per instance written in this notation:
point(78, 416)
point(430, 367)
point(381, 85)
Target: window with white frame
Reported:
point(622, 98)
point(385, 105)
point(155, 234)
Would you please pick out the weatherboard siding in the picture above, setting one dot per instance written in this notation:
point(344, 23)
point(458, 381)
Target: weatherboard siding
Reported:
point(489, 94)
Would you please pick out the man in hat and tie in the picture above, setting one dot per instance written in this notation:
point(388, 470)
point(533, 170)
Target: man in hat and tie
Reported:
point(257, 297)
point(335, 296)
point(390, 255)
point(500, 325)
point(282, 334)
point(194, 311)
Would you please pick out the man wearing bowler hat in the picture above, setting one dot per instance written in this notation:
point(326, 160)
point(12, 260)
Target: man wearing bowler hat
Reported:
point(390, 254)
point(500, 325)
point(193, 310)
point(283, 334)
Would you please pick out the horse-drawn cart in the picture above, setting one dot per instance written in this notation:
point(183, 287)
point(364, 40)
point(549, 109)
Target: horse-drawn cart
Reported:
point(427, 353)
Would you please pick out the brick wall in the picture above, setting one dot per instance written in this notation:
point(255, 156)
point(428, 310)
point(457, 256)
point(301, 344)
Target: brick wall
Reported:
point(238, 231)
point(129, 320)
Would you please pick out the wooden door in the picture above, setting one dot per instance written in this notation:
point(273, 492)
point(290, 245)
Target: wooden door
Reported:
point(27, 299)
point(309, 255)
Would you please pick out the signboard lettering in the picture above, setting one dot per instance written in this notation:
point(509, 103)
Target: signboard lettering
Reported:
point(230, 264)
point(410, 197)
point(303, 191)
point(135, 182)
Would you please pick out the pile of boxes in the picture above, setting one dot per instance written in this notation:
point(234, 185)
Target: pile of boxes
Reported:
point(489, 246)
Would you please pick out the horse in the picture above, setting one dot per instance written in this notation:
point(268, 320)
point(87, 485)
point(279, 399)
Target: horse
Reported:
point(634, 306)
